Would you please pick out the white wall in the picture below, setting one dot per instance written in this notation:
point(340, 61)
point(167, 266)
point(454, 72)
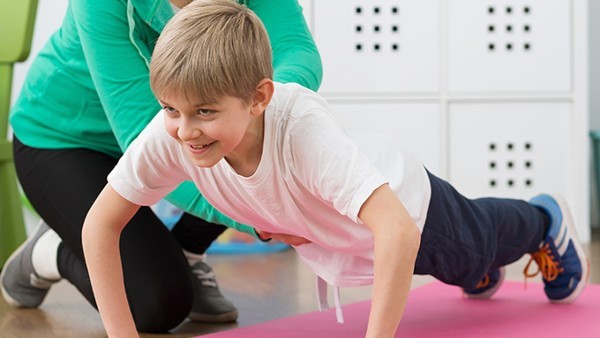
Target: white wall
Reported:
point(594, 40)
point(594, 89)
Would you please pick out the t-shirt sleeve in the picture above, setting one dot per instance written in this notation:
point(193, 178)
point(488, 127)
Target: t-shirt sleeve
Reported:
point(151, 167)
point(330, 165)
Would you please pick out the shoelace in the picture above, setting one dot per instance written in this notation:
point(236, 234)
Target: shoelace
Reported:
point(206, 278)
point(547, 265)
point(484, 282)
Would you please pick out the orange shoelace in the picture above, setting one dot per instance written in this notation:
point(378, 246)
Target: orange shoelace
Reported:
point(547, 265)
point(483, 282)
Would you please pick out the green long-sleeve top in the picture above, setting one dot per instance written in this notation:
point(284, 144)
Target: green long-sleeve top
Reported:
point(89, 85)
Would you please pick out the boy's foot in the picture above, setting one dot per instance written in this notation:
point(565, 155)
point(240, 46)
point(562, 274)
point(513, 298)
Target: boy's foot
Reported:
point(560, 259)
point(489, 284)
point(210, 306)
point(21, 286)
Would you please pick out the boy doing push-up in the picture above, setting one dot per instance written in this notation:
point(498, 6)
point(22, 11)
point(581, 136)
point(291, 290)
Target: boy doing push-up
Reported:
point(357, 209)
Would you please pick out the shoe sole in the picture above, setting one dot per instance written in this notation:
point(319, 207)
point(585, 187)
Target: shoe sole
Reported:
point(489, 293)
point(7, 297)
point(220, 318)
point(585, 263)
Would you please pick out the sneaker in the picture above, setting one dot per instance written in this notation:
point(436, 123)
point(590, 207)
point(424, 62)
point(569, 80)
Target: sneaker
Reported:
point(489, 284)
point(20, 285)
point(210, 306)
point(560, 259)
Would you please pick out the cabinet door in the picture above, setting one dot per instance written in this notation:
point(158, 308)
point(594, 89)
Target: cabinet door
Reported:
point(387, 46)
point(509, 149)
point(509, 46)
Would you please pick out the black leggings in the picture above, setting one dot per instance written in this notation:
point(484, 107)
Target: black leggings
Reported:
point(62, 185)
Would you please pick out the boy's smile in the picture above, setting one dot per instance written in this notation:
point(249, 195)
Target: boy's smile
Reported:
point(199, 149)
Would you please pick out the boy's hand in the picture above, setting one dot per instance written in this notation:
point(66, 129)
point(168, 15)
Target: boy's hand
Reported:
point(287, 239)
point(397, 241)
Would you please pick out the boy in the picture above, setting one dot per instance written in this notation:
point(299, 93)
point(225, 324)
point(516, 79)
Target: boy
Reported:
point(269, 155)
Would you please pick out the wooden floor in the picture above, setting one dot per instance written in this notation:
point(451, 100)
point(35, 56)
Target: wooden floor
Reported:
point(263, 287)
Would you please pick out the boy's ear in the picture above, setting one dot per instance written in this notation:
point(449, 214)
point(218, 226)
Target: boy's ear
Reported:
point(262, 96)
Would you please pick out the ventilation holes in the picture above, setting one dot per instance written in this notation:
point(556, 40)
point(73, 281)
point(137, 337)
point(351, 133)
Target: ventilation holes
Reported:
point(510, 165)
point(509, 29)
point(377, 28)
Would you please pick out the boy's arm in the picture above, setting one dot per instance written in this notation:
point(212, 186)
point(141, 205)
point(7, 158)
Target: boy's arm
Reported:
point(397, 240)
point(100, 236)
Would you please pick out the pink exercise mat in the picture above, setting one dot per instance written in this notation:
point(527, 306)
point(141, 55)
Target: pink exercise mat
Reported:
point(438, 310)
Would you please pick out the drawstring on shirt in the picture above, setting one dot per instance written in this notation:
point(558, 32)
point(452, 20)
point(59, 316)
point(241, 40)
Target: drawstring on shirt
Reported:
point(322, 288)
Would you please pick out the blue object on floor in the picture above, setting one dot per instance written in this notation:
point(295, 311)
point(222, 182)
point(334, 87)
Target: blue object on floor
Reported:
point(236, 248)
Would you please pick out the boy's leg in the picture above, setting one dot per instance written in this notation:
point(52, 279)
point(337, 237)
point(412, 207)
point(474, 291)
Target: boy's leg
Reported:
point(519, 227)
point(514, 220)
point(559, 255)
point(487, 233)
point(62, 185)
point(463, 239)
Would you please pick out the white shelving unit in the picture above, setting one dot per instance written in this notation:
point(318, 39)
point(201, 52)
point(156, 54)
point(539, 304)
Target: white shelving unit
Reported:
point(492, 95)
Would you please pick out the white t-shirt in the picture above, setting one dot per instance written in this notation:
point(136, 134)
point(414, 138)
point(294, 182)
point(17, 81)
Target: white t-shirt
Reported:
point(311, 182)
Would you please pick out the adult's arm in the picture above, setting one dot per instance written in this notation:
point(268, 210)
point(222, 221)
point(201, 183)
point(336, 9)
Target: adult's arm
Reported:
point(117, 53)
point(295, 55)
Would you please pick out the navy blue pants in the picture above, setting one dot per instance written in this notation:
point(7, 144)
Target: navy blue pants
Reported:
point(464, 238)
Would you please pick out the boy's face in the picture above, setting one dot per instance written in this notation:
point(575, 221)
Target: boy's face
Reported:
point(208, 131)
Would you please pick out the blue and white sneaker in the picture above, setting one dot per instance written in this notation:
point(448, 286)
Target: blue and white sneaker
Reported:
point(489, 284)
point(560, 259)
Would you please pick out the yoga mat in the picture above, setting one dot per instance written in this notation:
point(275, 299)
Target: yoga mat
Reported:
point(438, 310)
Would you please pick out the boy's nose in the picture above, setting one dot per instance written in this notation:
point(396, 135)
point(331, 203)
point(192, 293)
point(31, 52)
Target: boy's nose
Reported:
point(188, 132)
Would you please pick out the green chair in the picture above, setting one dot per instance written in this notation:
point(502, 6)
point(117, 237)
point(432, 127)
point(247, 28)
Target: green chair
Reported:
point(17, 18)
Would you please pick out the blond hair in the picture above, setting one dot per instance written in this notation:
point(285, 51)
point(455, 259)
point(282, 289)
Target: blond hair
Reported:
point(210, 49)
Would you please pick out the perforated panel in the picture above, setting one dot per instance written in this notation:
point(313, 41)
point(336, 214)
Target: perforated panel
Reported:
point(509, 149)
point(372, 47)
point(509, 45)
point(415, 125)
point(507, 79)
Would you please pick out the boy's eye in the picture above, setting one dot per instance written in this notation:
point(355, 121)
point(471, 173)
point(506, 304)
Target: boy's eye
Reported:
point(204, 112)
point(169, 109)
